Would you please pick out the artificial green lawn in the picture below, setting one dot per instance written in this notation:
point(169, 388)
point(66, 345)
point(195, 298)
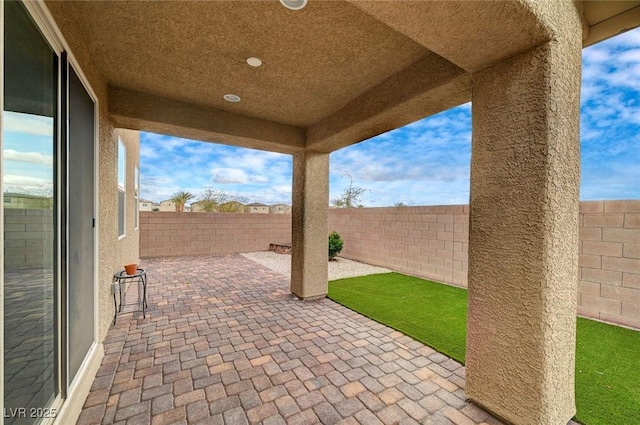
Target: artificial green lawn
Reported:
point(607, 374)
point(607, 357)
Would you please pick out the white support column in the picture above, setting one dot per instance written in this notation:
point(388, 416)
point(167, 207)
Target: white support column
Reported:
point(310, 224)
point(523, 250)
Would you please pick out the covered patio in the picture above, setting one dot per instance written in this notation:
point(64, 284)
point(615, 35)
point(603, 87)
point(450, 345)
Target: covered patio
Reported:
point(224, 341)
point(332, 74)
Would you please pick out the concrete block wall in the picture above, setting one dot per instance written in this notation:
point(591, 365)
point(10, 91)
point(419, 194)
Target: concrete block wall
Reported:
point(171, 234)
point(28, 237)
point(430, 242)
point(609, 285)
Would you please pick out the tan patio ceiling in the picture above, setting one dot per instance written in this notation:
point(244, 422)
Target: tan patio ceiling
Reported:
point(609, 18)
point(334, 73)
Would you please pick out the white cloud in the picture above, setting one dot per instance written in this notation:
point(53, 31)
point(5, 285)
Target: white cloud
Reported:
point(14, 179)
point(30, 157)
point(629, 56)
point(28, 184)
point(28, 124)
point(148, 152)
point(259, 179)
point(229, 176)
point(256, 161)
point(282, 188)
point(629, 38)
point(167, 143)
point(269, 195)
point(596, 54)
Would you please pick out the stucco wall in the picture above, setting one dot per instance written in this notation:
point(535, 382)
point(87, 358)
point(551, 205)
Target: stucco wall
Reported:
point(171, 234)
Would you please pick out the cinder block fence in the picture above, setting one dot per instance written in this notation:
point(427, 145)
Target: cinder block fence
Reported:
point(610, 261)
point(430, 242)
point(28, 237)
point(170, 234)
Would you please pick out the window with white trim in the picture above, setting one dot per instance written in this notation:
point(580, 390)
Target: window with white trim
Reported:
point(136, 193)
point(122, 171)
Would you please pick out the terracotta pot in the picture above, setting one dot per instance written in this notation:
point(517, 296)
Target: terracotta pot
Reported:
point(131, 268)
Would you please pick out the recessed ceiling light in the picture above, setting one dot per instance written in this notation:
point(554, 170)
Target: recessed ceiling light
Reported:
point(294, 4)
point(255, 62)
point(233, 98)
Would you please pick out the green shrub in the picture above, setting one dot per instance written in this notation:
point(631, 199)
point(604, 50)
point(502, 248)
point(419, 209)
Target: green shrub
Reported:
point(335, 244)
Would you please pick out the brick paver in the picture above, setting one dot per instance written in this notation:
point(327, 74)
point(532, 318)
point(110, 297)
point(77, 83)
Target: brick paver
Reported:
point(224, 342)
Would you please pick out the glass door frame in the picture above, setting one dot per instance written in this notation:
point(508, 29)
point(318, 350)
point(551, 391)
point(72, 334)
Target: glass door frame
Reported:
point(72, 63)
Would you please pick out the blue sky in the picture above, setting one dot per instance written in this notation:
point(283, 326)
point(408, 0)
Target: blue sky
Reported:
point(427, 162)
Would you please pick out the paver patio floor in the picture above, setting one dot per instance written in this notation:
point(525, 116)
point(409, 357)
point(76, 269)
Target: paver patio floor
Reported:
point(224, 342)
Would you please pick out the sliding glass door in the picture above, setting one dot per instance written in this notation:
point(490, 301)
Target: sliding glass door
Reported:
point(47, 175)
point(80, 183)
point(31, 205)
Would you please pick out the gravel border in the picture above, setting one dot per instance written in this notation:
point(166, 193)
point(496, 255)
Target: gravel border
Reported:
point(339, 268)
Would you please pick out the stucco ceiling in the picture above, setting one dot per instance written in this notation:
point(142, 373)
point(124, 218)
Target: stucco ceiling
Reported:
point(334, 73)
point(315, 59)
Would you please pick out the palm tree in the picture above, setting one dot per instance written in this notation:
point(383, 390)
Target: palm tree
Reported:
point(180, 198)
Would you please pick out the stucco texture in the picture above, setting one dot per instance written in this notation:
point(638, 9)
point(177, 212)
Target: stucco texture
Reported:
point(523, 257)
point(115, 252)
point(309, 225)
